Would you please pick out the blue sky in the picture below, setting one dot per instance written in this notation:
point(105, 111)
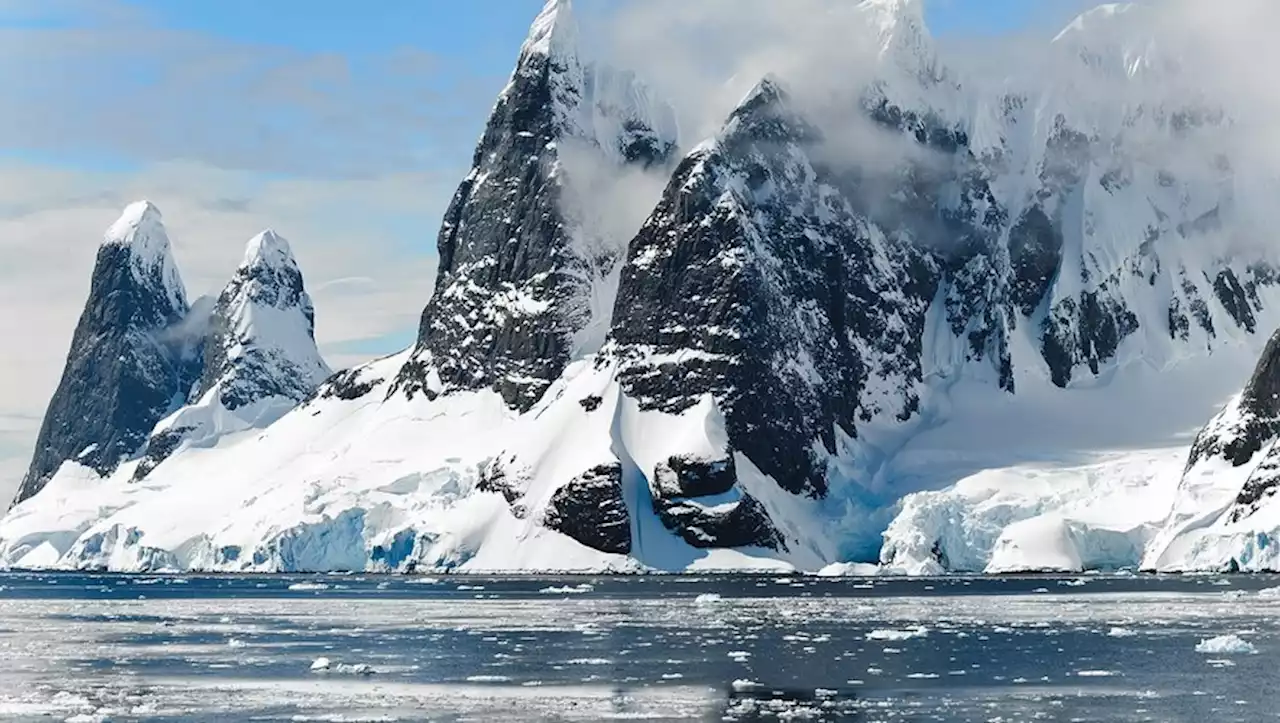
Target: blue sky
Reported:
point(461, 54)
point(345, 126)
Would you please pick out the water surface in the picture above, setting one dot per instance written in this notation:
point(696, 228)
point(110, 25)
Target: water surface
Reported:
point(242, 648)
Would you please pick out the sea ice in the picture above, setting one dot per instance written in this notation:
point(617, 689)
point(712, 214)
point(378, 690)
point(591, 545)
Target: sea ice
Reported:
point(1226, 645)
point(567, 590)
point(898, 635)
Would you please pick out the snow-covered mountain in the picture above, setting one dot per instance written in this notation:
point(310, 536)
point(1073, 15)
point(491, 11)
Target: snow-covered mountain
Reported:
point(125, 370)
point(1005, 302)
point(521, 277)
point(260, 355)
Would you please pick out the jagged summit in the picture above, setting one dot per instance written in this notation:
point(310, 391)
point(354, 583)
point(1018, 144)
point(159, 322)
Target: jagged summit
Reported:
point(896, 17)
point(260, 355)
point(135, 221)
point(1119, 42)
point(1091, 21)
point(517, 259)
point(904, 36)
point(262, 333)
point(268, 249)
point(140, 229)
point(126, 366)
point(554, 31)
point(769, 89)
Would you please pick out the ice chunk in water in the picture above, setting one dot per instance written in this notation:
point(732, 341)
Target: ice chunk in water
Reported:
point(1226, 645)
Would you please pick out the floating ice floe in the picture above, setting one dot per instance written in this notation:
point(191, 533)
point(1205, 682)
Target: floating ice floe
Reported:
point(361, 669)
point(707, 598)
point(897, 635)
point(306, 586)
point(1226, 645)
point(567, 589)
point(325, 665)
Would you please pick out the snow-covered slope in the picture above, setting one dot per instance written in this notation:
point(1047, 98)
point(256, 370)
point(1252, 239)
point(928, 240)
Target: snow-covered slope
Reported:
point(997, 311)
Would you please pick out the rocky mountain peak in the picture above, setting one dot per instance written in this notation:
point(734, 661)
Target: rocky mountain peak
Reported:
point(262, 331)
point(126, 365)
point(260, 357)
point(1119, 42)
point(512, 258)
point(554, 32)
point(905, 43)
point(140, 231)
point(268, 249)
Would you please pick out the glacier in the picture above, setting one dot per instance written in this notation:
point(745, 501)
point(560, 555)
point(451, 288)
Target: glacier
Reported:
point(931, 323)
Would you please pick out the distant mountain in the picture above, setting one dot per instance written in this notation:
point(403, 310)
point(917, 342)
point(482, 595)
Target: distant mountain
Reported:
point(125, 370)
point(260, 355)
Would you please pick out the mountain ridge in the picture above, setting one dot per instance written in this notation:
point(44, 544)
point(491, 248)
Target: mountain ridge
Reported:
point(751, 375)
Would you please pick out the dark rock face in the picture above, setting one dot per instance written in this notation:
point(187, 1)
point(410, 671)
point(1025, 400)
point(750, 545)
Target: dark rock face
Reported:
point(348, 385)
point(591, 510)
point(757, 281)
point(159, 448)
point(1085, 329)
point(1261, 486)
point(687, 476)
point(248, 368)
point(504, 477)
point(123, 372)
point(688, 496)
point(1241, 430)
point(1235, 299)
point(505, 305)
point(1035, 253)
point(745, 524)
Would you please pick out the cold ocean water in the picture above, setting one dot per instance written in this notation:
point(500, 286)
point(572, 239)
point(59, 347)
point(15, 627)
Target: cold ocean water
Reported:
point(350, 648)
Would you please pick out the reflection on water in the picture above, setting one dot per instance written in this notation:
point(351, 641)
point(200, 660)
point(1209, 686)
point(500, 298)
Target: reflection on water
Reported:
point(103, 647)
